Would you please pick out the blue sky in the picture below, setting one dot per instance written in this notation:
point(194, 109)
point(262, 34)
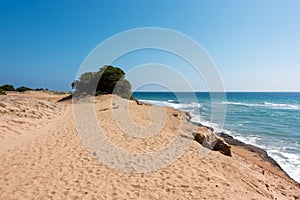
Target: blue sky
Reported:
point(254, 44)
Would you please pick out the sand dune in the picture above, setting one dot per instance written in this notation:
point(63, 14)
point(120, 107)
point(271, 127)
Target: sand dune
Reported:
point(22, 116)
point(42, 156)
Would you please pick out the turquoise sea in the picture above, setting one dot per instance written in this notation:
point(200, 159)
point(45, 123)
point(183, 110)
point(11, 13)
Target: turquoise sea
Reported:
point(270, 120)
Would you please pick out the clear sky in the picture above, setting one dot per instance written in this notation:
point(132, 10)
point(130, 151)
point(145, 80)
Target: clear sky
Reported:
point(255, 44)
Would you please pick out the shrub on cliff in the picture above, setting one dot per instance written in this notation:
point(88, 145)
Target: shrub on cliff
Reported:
point(107, 80)
point(7, 87)
point(23, 89)
point(2, 92)
point(39, 89)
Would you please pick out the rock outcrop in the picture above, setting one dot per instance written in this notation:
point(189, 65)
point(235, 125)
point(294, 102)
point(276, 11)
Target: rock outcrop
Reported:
point(211, 141)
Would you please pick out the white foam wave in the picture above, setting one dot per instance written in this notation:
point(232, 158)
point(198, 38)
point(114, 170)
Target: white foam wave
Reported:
point(240, 104)
point(265, 104)
point(283, 106)
point(196, 118)
point(289, 162)
point(172, 103)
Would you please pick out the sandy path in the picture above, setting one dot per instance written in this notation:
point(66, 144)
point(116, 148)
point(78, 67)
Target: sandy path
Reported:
point(55, 165)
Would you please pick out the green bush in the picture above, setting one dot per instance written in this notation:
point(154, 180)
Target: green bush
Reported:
point(7, 87)
point(107, 80)
point(2, 92)
point(23, 89)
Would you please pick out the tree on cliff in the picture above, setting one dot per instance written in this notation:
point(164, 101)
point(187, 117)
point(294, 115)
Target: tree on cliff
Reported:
point(107, 80)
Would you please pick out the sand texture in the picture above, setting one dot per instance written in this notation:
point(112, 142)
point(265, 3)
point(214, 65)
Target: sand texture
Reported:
point(43, 157)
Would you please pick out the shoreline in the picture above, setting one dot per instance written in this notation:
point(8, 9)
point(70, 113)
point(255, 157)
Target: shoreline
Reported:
point(251, 149)
point(260, 152)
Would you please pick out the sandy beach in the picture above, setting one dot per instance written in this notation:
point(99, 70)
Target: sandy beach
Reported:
point(43, 157)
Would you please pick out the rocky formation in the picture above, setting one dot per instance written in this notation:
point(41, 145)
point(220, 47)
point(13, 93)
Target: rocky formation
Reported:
point(211, 141)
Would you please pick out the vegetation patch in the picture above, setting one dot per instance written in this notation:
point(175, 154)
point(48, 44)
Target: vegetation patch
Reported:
point(2, 92)
point(23, 89)
point(108, 80)
point(7, 87)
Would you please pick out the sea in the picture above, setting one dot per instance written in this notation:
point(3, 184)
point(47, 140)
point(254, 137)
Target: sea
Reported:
point(269, 120)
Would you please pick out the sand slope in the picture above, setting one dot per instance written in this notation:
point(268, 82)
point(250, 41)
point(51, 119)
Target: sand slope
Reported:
point(48, 160)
